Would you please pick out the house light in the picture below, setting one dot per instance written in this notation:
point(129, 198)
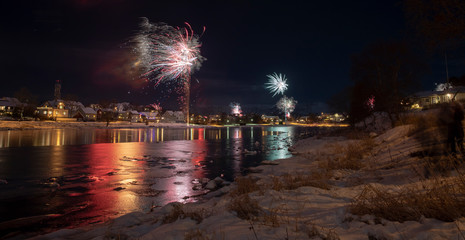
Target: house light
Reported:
point(449, 95)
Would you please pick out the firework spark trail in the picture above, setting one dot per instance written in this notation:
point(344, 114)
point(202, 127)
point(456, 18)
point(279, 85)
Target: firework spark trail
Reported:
point(276, 83)
point(167, 53)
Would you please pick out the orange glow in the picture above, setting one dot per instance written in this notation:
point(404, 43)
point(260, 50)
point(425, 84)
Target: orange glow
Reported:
point(105, 158)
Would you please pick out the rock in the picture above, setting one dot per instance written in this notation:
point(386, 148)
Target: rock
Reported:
point(218, 180)
point(118, 188)
point(211, 185)
point(168, 208)
point(197, 187)
point(204, 181)
point(373, 134)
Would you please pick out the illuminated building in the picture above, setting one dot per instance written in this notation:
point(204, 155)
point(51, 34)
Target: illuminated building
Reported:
point(54, 110)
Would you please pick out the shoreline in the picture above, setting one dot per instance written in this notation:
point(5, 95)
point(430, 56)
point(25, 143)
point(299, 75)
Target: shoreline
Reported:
point(295, 198)
point(34, 125)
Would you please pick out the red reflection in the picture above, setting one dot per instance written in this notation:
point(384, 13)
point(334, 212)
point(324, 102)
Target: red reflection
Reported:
point(198, 157)
point(106, 173)
point(201, 134)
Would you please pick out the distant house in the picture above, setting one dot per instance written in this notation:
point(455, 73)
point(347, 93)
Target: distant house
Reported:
point(331, 118)
point(73, 107)
point(304, 119)
point(8, 105)
point(135, 116)
point(270, 119)
point(52, 110)
point(88, 114)
point(148, 116)
point(173, 116)
point(214, 118)
point(427, 99)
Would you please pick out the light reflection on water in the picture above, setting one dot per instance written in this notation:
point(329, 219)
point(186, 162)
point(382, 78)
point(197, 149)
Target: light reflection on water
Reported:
point(104, 173)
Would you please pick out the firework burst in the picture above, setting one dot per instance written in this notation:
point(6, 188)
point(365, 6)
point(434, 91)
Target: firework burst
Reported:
point(167, 53)
point(235, 108)
point(276, 83)
point(286, 105)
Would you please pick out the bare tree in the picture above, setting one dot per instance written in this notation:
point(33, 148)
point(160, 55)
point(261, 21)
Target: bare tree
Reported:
point(384, 72)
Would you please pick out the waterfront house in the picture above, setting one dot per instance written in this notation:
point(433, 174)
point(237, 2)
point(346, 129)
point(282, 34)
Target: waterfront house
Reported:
point(173, 116)
point(88, 114)
point(148, 116)
point(8, 105)
point(52, 110)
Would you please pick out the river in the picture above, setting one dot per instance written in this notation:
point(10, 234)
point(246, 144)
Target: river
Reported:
point(57, 178)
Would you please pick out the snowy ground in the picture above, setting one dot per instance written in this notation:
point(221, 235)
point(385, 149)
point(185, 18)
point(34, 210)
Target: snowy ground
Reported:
point(304, 197)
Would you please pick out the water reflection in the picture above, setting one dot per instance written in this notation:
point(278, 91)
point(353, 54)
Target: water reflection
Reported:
point(60, 137)
point(91, 175)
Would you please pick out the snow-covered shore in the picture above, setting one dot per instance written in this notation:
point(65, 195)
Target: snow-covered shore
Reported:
point(303, 197)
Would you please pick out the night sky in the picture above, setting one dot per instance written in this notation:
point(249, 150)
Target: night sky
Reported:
point(84, 43)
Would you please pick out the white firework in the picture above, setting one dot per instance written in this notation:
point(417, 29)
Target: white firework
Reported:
point(235, 108)
point(286, 105)
point(276, 83)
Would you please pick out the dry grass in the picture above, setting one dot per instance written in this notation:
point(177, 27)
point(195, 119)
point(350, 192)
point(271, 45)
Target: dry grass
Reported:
point(294, 181)
point(314, 231)
point(350, 156)
point(196, 234)
point(178, 212)
point(426, 130)
point(245, 185)
point(419, 121)
point(270, 217)
point(245, 207)
point(439, 198)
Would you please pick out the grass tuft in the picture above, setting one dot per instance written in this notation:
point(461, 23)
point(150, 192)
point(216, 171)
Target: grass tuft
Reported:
point(178, 212)
point(245, 185)
point(439, 198)
point(245, 207)
point(294, 181)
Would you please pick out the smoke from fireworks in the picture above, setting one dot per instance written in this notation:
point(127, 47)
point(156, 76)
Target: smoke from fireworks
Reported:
point(276, 83)
point(167, 53)
point(235, 108)
point(286, 105)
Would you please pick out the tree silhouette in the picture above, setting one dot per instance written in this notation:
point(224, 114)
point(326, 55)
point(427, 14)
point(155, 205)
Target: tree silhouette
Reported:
point(385, 71)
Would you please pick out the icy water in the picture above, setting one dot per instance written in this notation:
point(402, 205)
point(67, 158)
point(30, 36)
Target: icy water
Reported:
point(58, 178)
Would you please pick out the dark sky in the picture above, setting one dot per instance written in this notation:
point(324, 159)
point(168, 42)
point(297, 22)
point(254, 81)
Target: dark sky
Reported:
point(83, 43)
